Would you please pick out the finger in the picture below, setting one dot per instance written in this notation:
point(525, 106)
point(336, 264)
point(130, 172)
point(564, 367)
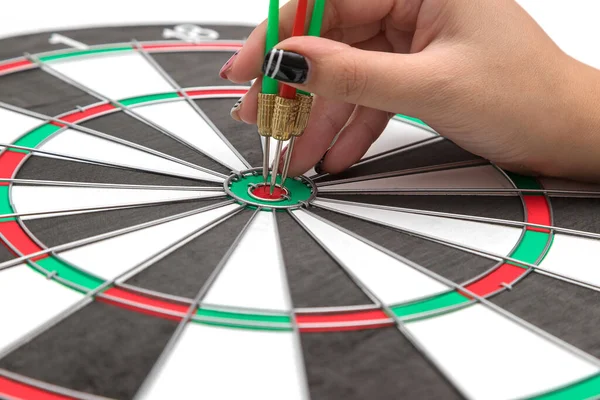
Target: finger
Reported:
point(327, 119)
point(334, 119)
point(353, 21)
point(386, 81)
point(355, 34)
point(376, 43)
point(363, 128)
point(246, 109)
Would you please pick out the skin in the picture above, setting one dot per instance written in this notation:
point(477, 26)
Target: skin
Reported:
point(481, 73)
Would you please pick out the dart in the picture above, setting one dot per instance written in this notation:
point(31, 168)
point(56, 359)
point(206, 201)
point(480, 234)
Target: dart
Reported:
point(292, 107)
point(266, 99)
point(304, 99)
point(286, 105)
point(302, 116)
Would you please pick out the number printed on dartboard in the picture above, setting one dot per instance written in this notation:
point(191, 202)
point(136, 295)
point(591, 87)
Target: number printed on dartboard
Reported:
point(190, 33)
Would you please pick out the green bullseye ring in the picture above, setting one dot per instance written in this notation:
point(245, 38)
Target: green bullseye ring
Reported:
point(301, 190)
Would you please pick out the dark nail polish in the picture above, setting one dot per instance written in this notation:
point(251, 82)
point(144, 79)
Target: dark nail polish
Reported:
point(285, 66)
point(235, 110)
point(319, 166)
point(227, 66)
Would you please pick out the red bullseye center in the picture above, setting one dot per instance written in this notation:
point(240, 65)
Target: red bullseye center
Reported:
point(263, 192)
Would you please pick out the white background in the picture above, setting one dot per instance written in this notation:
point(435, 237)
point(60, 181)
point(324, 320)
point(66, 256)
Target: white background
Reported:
point(573, 24)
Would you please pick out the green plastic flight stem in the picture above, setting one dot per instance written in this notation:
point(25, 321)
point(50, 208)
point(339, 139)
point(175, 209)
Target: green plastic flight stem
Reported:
point(316, 24)
point(269, 85)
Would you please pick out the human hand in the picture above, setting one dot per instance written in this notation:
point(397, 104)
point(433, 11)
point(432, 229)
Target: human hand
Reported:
point(481, 73)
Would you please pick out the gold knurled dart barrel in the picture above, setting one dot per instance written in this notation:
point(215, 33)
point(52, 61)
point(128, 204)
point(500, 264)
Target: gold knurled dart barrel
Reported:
point(303, 115)
point(284, 118)
point(266, 108)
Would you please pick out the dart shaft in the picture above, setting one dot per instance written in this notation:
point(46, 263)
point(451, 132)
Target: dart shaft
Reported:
point(288, 158)
point(266, 153)
point(275, 166)
point(269, 85)
point(287, 117)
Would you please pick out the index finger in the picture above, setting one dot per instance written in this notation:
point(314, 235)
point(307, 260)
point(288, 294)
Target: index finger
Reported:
point(341, 16)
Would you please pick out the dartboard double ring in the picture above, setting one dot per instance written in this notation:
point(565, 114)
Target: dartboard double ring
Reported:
point(138, 263)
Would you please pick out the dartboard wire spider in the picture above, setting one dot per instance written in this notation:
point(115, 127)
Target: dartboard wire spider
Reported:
point(70, 393)
point(34, 150)
point(466, 217)
point(148, 57)
point(35, 182)
point(66, 124)
point(458, 287)
point(152, 293)
point(479, 252)
point(97, 292)
point(392, 152)
point(326, 186)
point(466, 191)
point(292, 314)
point(126, 109)
point(108, 235)
point(409, 171)
point(151, 376)
point(73, 211)
point(445, 242)
point(382, 305)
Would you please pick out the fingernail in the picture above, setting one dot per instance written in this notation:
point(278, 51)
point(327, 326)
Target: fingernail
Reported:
point(319, 166)
point(285, 66)
point(235, 110)
point(227, 66)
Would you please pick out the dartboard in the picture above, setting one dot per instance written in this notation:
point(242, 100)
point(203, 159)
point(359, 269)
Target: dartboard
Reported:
point(138, 262)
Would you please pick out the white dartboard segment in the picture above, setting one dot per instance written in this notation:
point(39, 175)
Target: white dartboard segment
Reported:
point(310, 173)
point(391, 281)
point(15, 125)
point(229, 363)
point(491, 238)
point(491, 357)
point(116, 75)
point(28, 300)
point(180, 119)
point(569, 257)
point(398, 134)
point(479, 177)
point(112, 257)
point(77, 144)
point(26, 199)
point(251, 279)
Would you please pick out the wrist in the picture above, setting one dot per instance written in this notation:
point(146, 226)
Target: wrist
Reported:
point(573, 142)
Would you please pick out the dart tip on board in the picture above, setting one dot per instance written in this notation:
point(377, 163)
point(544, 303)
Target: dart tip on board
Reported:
point(286, 162)
point(266, 151)
point(275, 166)
point(273, 182)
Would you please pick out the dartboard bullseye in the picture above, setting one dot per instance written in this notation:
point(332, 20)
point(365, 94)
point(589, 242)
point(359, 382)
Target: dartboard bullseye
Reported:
point(249, 187)
point(143, 255)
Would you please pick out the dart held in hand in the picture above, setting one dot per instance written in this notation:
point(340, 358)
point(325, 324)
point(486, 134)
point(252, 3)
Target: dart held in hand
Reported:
point(266, 99)
point(284, 116)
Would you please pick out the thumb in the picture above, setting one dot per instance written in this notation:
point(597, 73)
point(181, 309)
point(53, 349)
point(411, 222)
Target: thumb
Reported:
point(385, 81)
